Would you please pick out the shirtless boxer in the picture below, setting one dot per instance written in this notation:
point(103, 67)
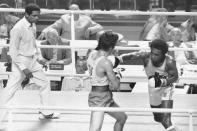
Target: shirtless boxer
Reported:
point(162, 72)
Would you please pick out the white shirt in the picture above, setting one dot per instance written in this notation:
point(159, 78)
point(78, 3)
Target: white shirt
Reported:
point(22, 40)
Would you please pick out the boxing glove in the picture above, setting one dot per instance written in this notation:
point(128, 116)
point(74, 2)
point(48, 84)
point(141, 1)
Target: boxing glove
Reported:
point(157, 81)
point(115, 61)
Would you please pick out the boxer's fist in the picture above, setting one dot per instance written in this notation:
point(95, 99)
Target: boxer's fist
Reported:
point(156, 81)
point(115, 61)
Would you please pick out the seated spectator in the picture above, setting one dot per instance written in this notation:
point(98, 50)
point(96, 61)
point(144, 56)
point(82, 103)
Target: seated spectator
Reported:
point(85, 27)
point(189, 27)
point(157, 27)
point(61, 56)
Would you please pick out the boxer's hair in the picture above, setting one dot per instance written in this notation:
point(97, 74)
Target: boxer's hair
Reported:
point(160, 45)
point(31, 7)
point(107, 40)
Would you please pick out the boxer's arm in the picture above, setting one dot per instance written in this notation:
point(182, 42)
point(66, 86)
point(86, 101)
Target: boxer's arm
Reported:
point(172, 71)
point(133, 56)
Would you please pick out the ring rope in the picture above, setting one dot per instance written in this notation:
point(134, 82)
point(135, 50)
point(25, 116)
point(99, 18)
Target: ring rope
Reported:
point(182, 79)
point(63, 11)
point(108, 109)
point(117, 47)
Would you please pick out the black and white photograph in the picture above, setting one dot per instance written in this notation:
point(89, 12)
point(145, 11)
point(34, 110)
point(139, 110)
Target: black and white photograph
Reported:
point(98, 65)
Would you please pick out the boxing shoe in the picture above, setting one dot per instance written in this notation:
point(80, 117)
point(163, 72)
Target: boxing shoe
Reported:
point(54, 115)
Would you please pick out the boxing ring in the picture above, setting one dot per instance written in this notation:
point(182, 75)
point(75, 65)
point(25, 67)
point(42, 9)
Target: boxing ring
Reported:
point(75, 113)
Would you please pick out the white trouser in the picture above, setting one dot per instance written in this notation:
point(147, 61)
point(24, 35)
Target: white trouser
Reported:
point(17, 76)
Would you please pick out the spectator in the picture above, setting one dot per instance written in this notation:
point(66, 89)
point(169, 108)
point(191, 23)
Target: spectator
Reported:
point(61, 56)
point(85, 27)
point(157, 27)
point(189, 27)
point(181, 57)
